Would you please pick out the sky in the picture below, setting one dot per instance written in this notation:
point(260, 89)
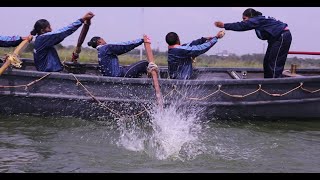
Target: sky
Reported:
point(119, 24)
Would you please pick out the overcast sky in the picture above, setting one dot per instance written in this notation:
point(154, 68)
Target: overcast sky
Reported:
point(118, 24)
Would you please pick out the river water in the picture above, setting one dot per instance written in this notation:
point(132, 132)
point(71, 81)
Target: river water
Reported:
point(170, 142)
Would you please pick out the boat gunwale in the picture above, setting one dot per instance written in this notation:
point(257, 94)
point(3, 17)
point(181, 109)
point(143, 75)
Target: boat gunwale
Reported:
point(105, 79)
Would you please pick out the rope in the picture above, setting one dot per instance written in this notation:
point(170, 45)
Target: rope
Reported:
point(237, 95)
point(102, 104)
point(14, 60)
point(27, 85)
point(171, 92)
point(152, 67)
point(279, 95)
point(309, 91)
point(242, 96)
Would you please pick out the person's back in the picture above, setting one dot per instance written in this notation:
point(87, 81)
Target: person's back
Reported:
point(180, 57)
point(46, 57)
point(108, 63)
point(179, 64)
point(108, 58)
point(273, 27)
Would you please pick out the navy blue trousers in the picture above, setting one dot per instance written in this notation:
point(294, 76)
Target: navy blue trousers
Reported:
point(276, 55)
point(136, 69)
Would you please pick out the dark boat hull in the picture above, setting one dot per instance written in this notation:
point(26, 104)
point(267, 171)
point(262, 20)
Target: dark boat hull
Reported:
point(87, 109)
point(214, 95)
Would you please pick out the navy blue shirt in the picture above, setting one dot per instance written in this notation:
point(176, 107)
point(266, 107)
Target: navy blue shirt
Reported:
point(180, 57)
point(45, 55)
point(267, 28)
point(108, 57)
point(10, 41)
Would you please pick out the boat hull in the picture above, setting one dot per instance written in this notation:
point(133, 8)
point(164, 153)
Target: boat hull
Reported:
point(214, 96)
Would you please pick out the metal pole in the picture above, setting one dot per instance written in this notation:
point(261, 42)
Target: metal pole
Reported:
point(142, 29)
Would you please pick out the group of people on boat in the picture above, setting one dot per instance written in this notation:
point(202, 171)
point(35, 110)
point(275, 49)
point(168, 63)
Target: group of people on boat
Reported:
point(180, 56)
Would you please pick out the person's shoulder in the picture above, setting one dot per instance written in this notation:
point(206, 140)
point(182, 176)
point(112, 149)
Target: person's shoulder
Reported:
point(102, 47)
point(258, 17)
point(175, 47)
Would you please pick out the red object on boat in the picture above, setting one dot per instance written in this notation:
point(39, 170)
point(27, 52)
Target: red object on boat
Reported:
point(304, 52)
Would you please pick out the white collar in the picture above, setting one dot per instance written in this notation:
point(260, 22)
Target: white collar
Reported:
point(99, 47)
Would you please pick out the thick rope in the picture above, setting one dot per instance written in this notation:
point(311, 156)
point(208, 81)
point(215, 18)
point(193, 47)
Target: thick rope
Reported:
point(152, 67)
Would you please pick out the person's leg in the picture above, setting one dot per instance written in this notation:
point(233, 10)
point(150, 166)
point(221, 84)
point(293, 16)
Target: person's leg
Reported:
point(136, 69)
point(266, 69)
point(277, 56)
point(283, 53)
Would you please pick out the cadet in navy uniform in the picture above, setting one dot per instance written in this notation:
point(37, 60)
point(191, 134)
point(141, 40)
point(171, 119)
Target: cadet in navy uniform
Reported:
point(267, 28)
point(109, 61)
point(180, 57)
point(45, 55)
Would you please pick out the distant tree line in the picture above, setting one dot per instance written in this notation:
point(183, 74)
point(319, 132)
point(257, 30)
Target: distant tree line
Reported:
point(204, 58)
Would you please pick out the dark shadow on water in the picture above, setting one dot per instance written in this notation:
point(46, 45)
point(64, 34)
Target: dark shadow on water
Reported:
point(270, 124)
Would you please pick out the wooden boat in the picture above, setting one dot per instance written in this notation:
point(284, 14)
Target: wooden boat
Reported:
point(214, 93)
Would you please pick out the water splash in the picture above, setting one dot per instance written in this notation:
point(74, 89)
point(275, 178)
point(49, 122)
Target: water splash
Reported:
point(170, 134)
point(132, 136)
point(176, 135)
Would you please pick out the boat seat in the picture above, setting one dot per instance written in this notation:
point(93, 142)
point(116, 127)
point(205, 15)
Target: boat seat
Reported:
point(75, 68)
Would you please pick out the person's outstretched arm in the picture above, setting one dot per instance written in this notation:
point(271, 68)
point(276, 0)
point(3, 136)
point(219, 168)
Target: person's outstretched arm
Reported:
point(53, 38)
point(196, 50)
point(121, 48)
point(239, 26)
point(10, 41)
point(196, 42)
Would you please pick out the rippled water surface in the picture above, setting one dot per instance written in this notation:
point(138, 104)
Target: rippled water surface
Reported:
point(170, 142)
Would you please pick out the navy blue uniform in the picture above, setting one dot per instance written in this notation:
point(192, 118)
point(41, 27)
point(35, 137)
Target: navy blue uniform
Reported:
point(180, 57)
point(10, 41)
point(109, 62)
point(279, 41)
point(45, 55)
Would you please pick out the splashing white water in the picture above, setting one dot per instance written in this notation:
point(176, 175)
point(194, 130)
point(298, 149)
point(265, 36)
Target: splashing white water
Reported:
point(132, 136)
point(171, 135)
point(174, 134)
